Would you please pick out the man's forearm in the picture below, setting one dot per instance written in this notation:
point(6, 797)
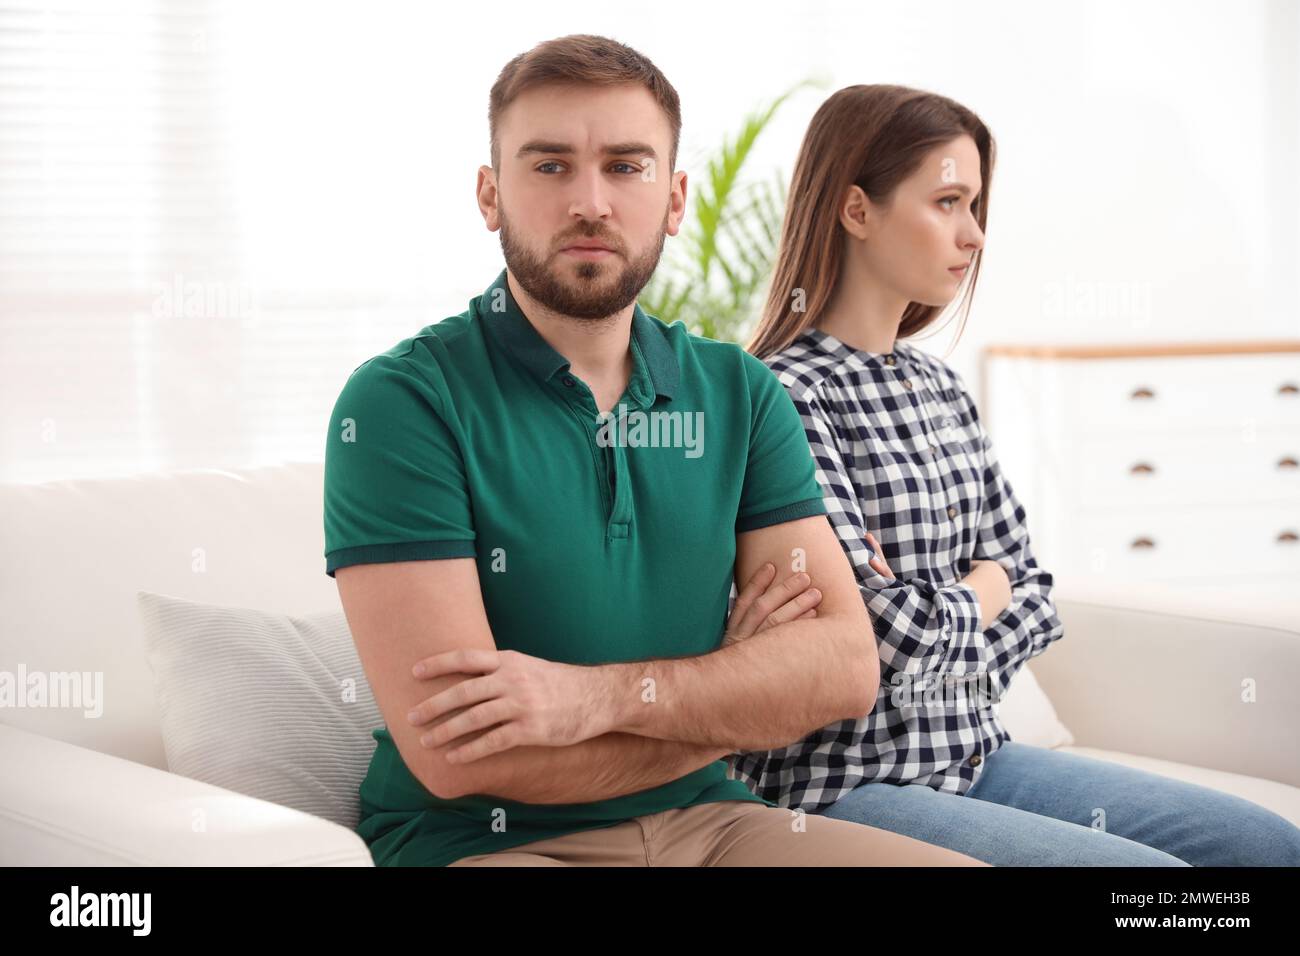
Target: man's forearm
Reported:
point(611, 765)
point(758, 694)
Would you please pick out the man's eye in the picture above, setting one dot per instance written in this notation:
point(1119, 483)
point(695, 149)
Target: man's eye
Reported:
point(628, 168)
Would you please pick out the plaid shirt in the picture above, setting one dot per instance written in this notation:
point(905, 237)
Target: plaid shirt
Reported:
point(901, 452)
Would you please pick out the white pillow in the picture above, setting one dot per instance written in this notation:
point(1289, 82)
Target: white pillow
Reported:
point(1029, 716)
point(268, 705)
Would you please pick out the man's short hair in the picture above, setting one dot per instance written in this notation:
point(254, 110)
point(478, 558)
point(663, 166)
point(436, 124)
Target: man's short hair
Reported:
point(581, 58)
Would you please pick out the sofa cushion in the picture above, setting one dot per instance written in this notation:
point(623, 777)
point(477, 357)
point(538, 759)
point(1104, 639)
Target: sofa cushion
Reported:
point(78, 551)
point(1029, 716)
point(270, 705)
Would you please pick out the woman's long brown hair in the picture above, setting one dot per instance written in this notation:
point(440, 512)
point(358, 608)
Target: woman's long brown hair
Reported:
point(874, 136)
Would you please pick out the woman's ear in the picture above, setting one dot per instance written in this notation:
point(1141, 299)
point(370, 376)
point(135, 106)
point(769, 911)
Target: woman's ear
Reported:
point(857, 214)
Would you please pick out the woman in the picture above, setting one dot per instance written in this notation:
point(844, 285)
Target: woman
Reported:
point(884, 225)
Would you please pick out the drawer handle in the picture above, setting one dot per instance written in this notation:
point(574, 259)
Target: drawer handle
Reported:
point(1142, 393)
point(1142, 544)
point(1142, 468)
point(1287, 537)
point(1288, 388)
point(1287, 463)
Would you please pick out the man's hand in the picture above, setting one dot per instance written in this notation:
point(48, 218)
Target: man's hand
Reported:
point(760, 606)
point(535, 702)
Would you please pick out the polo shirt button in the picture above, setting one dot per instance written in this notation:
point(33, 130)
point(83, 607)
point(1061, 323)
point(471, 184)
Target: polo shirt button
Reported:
point(568, 381)
point(952, 512)
point(976, 760)
point(907, 384)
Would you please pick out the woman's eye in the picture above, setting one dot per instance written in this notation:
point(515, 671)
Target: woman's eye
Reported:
point(949, 199)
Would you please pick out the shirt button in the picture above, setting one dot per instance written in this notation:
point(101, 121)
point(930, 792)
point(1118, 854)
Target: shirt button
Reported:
point(568, 381)
point(907, 384)
point(976, 760)
point(952, 512)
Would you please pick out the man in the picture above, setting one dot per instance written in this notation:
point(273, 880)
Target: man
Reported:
point(542, 501)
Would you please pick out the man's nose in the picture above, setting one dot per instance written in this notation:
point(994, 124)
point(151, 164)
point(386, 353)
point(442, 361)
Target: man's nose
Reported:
point(590, 199)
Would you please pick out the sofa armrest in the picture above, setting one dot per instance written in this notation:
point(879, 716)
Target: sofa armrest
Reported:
point(1169, 681)
point(64, 805)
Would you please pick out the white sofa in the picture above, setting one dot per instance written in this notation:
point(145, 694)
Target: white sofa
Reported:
point(1152, 681)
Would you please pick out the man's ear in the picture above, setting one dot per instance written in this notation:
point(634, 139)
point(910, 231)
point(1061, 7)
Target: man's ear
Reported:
point(485, 191)
point(677, 203)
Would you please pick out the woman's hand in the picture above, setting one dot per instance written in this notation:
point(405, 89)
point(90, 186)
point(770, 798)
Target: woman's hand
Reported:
point(878, 562)
point(760, 606)
point(990, 581)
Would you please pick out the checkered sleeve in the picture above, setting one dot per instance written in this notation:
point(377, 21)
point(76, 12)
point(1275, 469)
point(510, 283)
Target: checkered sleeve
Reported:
point(1029, 624)
point(918, 625)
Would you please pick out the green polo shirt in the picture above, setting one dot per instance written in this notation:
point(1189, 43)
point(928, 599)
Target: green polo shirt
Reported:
point(596, 541)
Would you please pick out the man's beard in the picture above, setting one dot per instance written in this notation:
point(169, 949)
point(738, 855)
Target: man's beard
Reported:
point(590, 294)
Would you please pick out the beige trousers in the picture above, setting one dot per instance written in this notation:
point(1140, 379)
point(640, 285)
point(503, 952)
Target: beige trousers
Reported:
point(726, 833)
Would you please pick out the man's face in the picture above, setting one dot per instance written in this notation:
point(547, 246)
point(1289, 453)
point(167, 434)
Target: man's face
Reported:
point(583, 166)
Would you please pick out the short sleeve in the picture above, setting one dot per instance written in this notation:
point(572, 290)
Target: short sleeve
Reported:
point(780, 477)
point(395, 480)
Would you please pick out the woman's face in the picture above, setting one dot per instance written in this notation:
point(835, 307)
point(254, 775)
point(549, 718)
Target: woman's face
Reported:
point(916, 243)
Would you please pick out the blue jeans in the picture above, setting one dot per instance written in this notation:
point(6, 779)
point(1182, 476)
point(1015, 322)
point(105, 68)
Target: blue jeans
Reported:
point(1037, 807)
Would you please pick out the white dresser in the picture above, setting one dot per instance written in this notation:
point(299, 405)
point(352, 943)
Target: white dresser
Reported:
point(1177, 463)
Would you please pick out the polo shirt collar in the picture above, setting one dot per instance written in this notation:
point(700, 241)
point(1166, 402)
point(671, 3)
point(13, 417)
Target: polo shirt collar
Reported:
point(511, 328)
